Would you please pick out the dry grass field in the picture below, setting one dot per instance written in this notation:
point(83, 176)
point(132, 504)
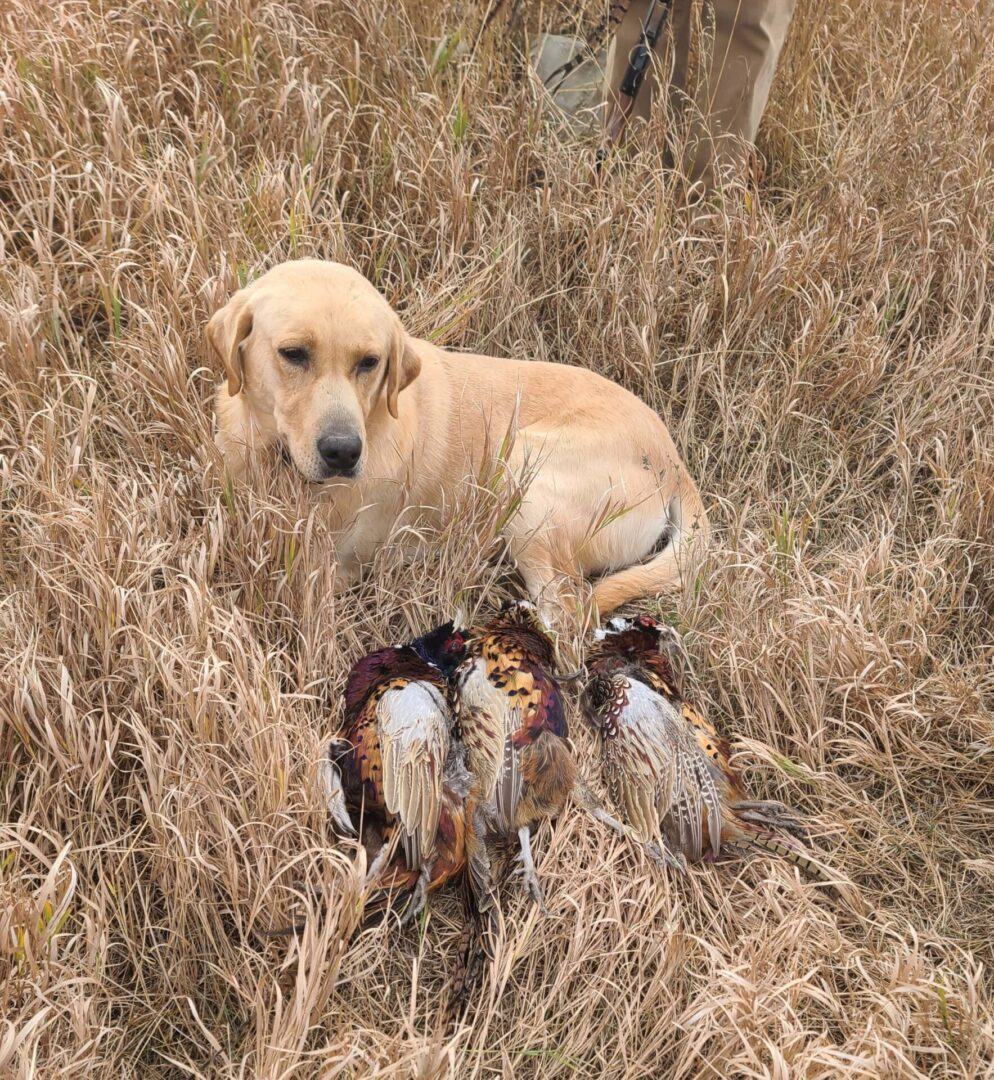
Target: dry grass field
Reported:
point(171, 654)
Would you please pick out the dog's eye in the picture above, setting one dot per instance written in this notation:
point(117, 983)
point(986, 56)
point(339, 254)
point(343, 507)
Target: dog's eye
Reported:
point(293, 354)
point(367, 363)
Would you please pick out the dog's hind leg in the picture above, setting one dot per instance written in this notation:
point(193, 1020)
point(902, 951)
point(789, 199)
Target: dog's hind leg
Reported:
point(541, 582)
point(663, 571)
point(553, 589)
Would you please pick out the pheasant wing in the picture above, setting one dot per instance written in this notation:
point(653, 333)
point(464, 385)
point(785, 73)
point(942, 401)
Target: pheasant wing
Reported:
point(654, 769)
point(488, 717)
point(413, 723)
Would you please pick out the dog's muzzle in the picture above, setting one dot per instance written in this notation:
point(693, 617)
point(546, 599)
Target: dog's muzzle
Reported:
point(340, 453)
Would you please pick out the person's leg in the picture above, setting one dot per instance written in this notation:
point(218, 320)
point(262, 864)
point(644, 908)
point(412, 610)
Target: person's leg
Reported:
point(682, 15)
point(728, 103)
point(742, 44)
point(625, 39)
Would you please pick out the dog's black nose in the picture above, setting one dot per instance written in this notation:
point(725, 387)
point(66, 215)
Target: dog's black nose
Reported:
point(340, 452)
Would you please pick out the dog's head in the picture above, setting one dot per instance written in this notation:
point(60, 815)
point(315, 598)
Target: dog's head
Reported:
point(316, 352)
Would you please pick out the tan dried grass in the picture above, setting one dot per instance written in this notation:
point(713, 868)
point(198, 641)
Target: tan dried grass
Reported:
point(171, 653)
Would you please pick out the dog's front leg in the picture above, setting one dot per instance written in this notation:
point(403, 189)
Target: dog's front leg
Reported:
point(347, 566)
point(346, 575)
point(356, 546)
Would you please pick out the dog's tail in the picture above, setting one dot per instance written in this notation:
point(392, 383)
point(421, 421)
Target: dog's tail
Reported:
point(686, 523)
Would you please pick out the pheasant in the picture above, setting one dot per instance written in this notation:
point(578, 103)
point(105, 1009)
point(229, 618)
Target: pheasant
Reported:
point(667, 769)
point(510, 714)
point(399, 771)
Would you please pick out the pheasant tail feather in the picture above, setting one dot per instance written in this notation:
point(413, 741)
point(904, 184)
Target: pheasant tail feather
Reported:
point(796, 855)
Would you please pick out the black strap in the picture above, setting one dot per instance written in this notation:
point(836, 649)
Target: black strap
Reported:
point(616, 13)
point(641, 55)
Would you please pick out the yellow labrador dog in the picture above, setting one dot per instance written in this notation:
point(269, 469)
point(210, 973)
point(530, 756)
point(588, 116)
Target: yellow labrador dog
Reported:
point(317, 360)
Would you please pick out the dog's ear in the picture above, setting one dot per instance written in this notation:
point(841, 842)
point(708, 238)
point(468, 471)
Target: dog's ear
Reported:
point(405, 366)
point(227, 331)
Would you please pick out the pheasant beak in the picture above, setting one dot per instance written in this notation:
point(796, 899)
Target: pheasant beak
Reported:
point(572, 676)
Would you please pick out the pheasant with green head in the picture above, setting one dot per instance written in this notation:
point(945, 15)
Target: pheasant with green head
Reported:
point(398, 772)
point(511, 717)
point(667, 769)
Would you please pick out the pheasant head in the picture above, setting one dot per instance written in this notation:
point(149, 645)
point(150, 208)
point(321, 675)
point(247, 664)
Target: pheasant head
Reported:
point(444, 647)
point(636, 639)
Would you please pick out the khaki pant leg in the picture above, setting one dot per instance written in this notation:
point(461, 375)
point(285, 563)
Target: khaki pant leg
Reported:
point(625, 39)
point(728, 104)
point(747, 36)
